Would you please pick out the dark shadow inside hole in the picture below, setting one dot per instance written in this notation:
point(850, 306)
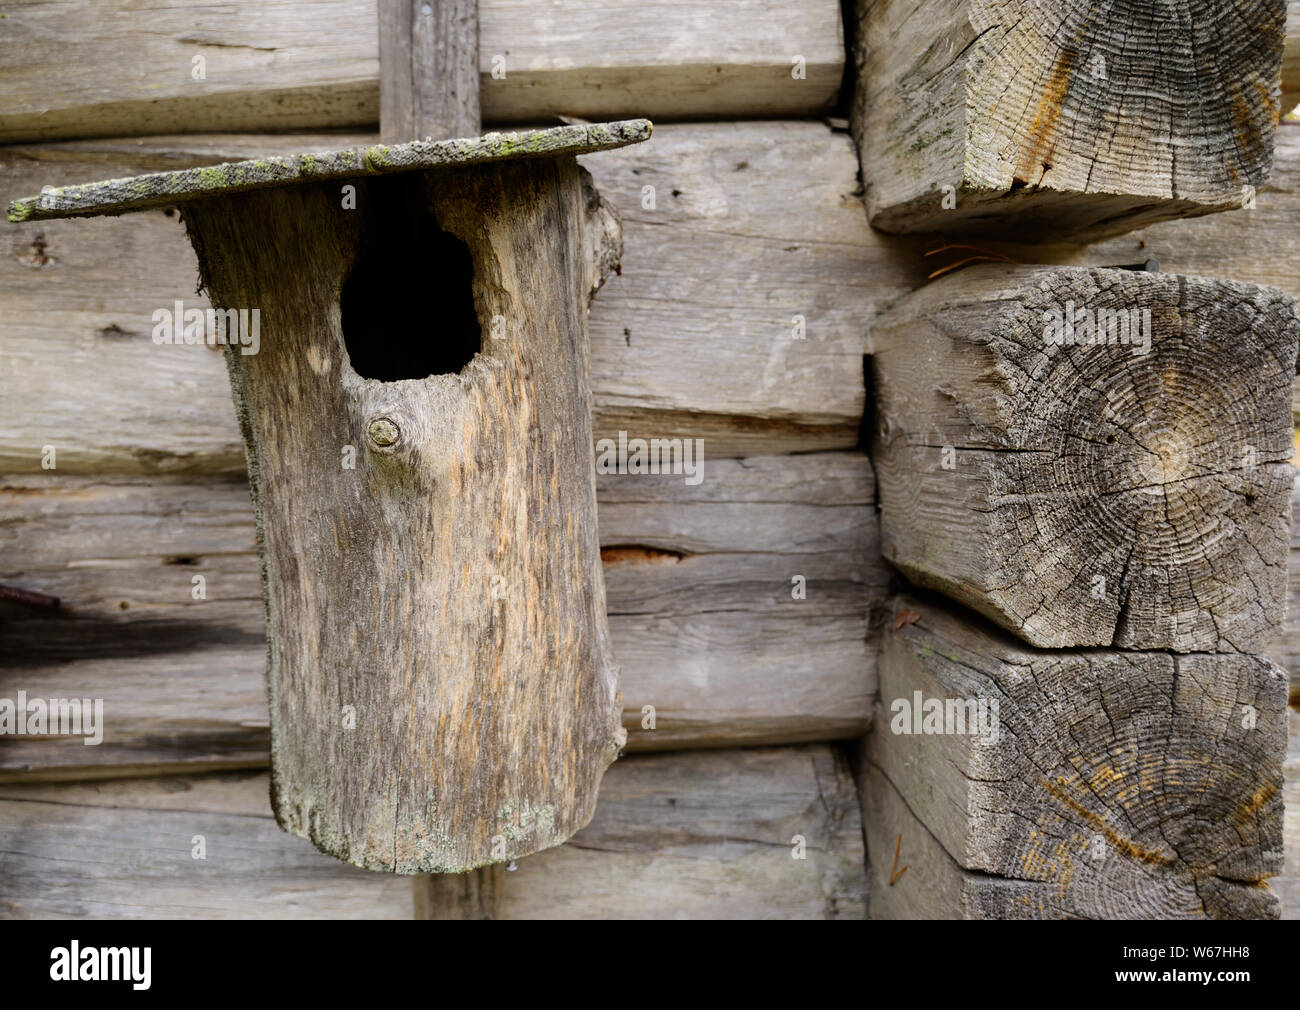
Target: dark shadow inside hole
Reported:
point(408, 304)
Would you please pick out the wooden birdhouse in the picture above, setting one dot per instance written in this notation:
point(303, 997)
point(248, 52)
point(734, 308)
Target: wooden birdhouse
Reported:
point(415, 404)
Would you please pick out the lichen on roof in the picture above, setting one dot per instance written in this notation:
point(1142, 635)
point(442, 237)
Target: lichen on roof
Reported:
point(156, 189)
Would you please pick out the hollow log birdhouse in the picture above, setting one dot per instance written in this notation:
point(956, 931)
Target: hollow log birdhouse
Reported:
point(414, 398)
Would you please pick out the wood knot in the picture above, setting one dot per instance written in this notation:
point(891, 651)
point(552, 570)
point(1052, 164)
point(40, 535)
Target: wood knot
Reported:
point(383, 432)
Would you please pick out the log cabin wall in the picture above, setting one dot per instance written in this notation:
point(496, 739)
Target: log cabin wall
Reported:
point(1002, 467)
point(747, 612)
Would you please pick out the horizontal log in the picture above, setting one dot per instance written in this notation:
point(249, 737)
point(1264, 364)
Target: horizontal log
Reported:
point(1092, 457)
point(699, 583)
point(1094, 784)
point(1258, 245)
point(695, 339)
point(698, 835)
point(179, 847)
point(996, 116)
point(707, 835)
point(314, 64)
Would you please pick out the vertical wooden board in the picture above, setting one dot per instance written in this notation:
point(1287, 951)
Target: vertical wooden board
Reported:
point(460, 897)
point(428, 70)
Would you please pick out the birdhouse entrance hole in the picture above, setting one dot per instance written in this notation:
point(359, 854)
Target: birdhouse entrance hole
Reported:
point(408, 303)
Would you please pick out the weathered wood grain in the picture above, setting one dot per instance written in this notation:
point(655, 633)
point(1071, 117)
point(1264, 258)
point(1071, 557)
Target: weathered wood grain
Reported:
point(460, 897)
point(162, 189)
point(712, 835)
point(100, 279)
point(442, 588)
point(1116, 784)
point(428, 86)
point(699, 585)
point(1134, 494)
point(428, 70)
point(755, 231)
point(1285, 648)
point(127, 850)
point(1288, 884)
point(1044, 120)
point(928, 883)
point(1260, 245)
point(314, 64)
point(695, 835)
point(1291, 54)
point(694, 339)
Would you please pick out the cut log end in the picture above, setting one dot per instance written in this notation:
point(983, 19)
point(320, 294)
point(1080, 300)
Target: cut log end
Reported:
point(1013, 115)
point(1092, 457)
point(1080, 784)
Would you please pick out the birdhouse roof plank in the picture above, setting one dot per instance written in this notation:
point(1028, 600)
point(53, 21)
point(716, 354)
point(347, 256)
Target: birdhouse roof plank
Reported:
point(157, 189)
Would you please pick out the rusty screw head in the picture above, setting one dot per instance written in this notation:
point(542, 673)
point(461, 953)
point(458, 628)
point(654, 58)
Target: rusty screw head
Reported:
point(383, 432)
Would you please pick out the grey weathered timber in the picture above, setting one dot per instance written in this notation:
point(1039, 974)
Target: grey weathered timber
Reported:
point(456, 897)
point(428, 88)
point(314, 64)
point(1046, 120)
point(428, 69)
point(117, 196)
point(1131, 492)
point(477, 732)
point(698, 583)
point(173, 847)
point(1288, 884)
point(706, 834)
point(1095, 783)
point(931, 885)
point(451, 584)
point(1286, 647)
point(1291, 55)
point(693, 340)
point(1260, 246)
